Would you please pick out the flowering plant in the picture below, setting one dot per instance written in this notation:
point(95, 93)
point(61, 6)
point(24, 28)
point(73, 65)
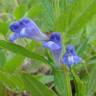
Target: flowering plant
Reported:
point(47, 48)
point(26, 28)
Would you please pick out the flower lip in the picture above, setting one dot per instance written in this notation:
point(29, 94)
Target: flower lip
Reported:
point(70, 49)
point(24, 21)
point(55, 37)
point(14, 26)
point(51, 45)
point(54, 41)
point(18, 25)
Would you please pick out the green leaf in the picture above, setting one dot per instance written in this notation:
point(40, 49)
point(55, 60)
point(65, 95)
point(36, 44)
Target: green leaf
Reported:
point(35, 87)
point(2, 59)
point(85, 16)
point(46, 79)
point(3, 28)
point(19, 11)
point(21, 50)
point(79, 85)
point(91, 83)
point(2, 90)
point(62, 81)
point(36, 10)
point(12, 64)
point(73, 25)
point(12, 82)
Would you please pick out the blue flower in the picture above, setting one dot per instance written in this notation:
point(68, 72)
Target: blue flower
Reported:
point(26, 28)
point(70, 57)
point(54, 45)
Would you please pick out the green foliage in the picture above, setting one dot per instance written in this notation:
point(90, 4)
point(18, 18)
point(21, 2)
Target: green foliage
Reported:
point(19, 11)
point(62, 81)
point(20, 50)
point(14, 63)
point(3, 27)
point(64, 23)
point(2, 59)
point(35, 87)
point(35, 11)
point(79, 85)
point(91, 82)
point(11, 82)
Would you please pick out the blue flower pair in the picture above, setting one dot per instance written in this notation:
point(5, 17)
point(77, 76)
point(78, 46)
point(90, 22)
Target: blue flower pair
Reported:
point(26, 28)
point(54, 44)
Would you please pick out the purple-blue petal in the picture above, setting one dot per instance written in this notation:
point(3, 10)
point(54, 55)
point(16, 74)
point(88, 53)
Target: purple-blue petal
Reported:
point(24, 21)
point(54, 42)
point(14, 36)
point(15, 27)
point(77, 59)
point(70, 49)
point(51, 45)
point(55, 37)
point(29, 32)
